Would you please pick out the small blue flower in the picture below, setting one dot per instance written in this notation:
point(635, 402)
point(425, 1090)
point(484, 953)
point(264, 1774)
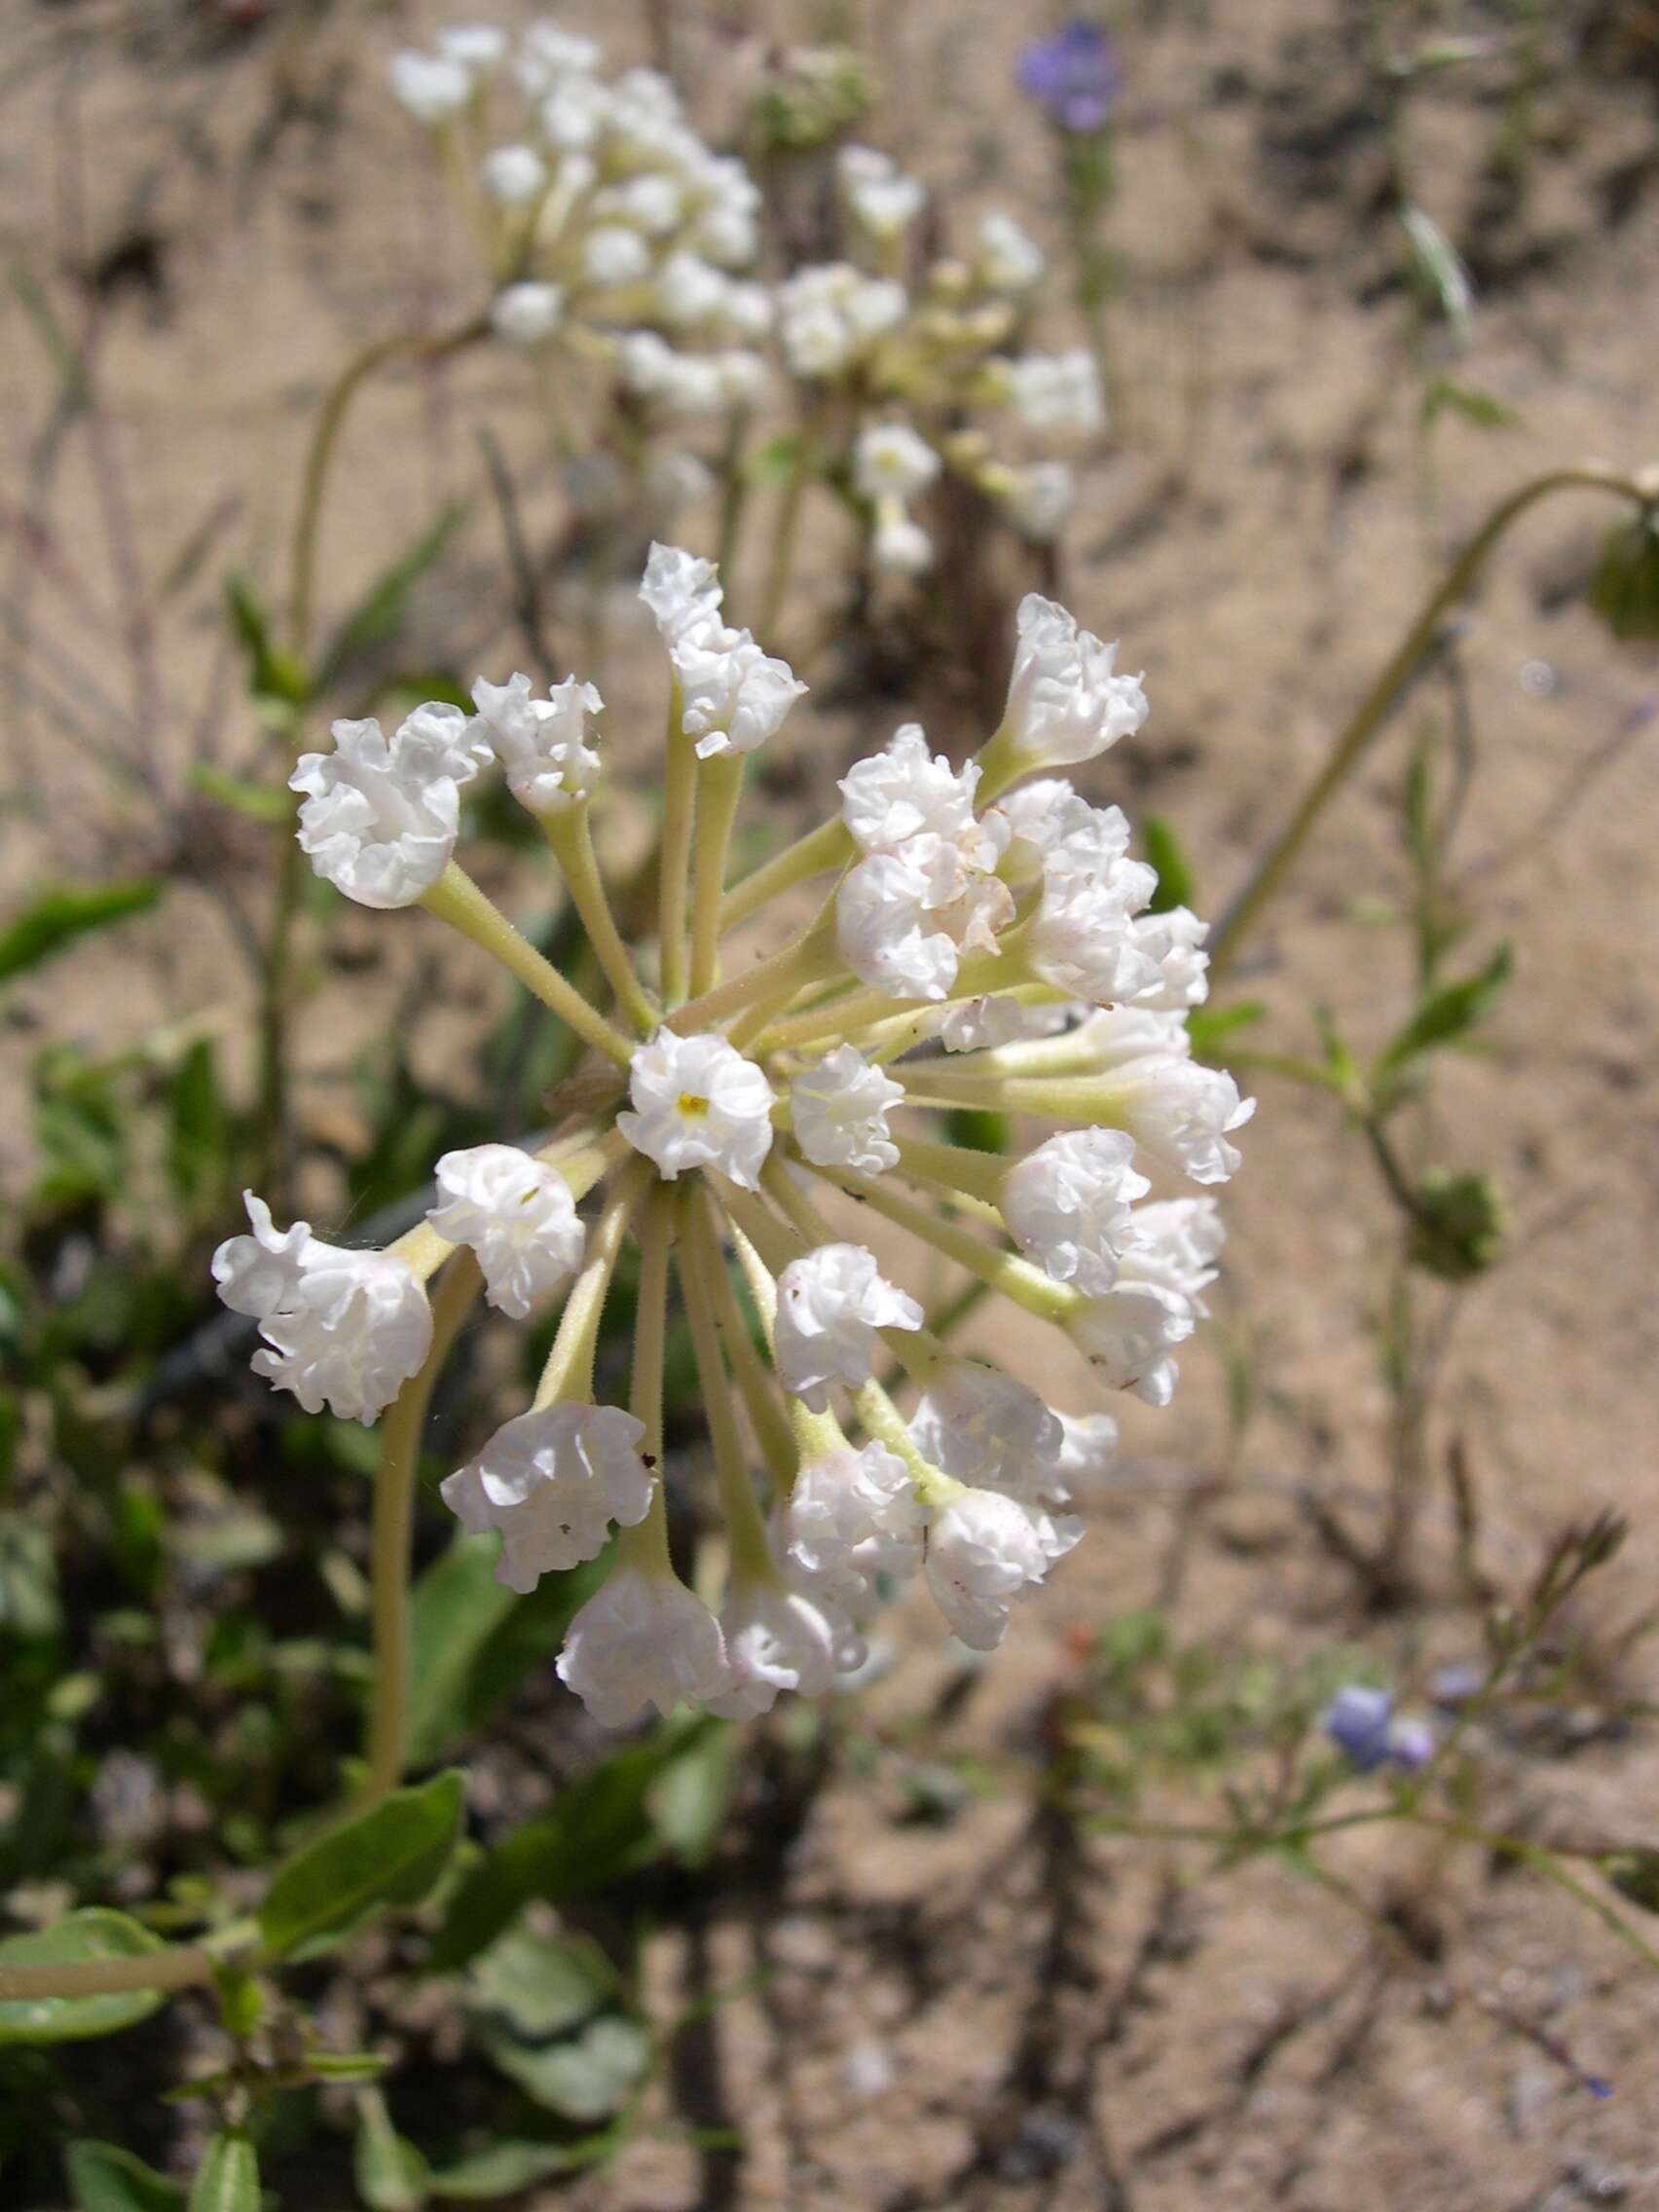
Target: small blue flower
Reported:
point(1072, 76)
point(1361, 1723)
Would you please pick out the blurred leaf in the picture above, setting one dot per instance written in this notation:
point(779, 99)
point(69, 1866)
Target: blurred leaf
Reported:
point(29, 1577)
point(1208, 1025)
point(1634, 1874)
point(1437, 269)
point(1449, 1012)
point(978, 1129)
point(1458, 1223)
point(275, 678)
point(775, 461)
point(199, 1132)
point(505, 2168)
point(228, 2177)
point(105, 2178)
point(94, 1933)
point(474, 1639)
point(1483, 408)
point(587, 2077)
point(599, 1831)
point(691, 1799)
point(259, 802)
point(541, 1985)
point(1625, 588)
point(1177, 885)
point(56, 918)
point(345, 2065)
point(389, 2172)
point(379, 614)
point(235, 1538)
point(392, 1854)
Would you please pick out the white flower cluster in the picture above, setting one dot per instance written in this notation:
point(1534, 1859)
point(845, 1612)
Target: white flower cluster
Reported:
point(990, 945)
point(614, 232)
point(919, 364)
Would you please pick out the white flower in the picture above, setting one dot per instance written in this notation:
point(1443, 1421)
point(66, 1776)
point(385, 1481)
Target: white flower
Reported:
point(642, 1640)
point(1166, 1263)
point(548, 51)
point(904, 917)
point(681, 384)
point(1180, 1113)
point(1175, 940)
point(739, 375)
point(518, 1216)
point(1065, 700)
point(982, 1550)
point(1082, 937)
point(653, 204)
point(513, 176)
point(541, 743)
point(1008, 259)
point(526, 314)
point(1112, 1035)
point(681, 590)
point(1089, 1445)
point(839, 1107)
point(1067, 1205)
point(1049, 814)
point(972, 1025)
point(552, 1482)
point(883, 199)
point(1038, 500)
point(698, 1103)
point(831, 315)
point(905, 790)
point(852, 1516)
point(734, 696)
point(746, 310)
point(891, 462)
point(776, 1639)
point(690, 291)
point(381, 816)
point(429, 87)
point(898, 546)
point(830, 1303)
point(344, 1329)
point(612, 254)
point(985, 1429)
point(575, 113)
point(477, 47)
point(1057, 392)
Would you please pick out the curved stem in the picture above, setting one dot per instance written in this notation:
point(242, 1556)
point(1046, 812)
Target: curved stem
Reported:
point(746, 1526)
point(393, 1521)
point(644, 1546)
point(569, 1371)
point(570, 836)
point(829, 845)
point(759, 1388)
point(719, 788)
point(679, 805)
point(1374, 708)
point(457, 900)
point(184, 1967)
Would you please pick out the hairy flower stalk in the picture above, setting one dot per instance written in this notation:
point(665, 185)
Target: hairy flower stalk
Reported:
point(984, 941)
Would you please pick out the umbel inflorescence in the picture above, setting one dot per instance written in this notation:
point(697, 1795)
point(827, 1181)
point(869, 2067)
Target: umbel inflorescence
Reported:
point(986, 945)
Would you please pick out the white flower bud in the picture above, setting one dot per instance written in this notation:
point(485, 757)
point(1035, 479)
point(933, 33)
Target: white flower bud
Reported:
point(776, 1639)
point(344, 1329)
point(690, 291)
point(682, 591)
point(1038, 500)
point(698, 1103)
point(904, 790)
point(839, 1107)
point(526, 314)
point(1067, 1205)
point(612, 254)
point(517, 1214)
point(1008, 259)
point(548, 51)
point(552, 1482)
point(974, 1025)
point(880, 196)
point(852, 1516)
point(1175, 940)
point(541, 743)
point(643, 1641)
point(681, 384)
point(575, 113)
point(898, 546)
point(381, 816)
point(427, 86)
point(513, 176)
point(1180, 1114)
point(1065, 700)
point(740, 376)
point(652, 203)
point(985, 1429)
point(1088, 1445)
point(891, 462)
point(830, 1303)
point(904, 916)
point(1082, 937)
point(747, 310)
point(984, 1550)
point(1057, 392)
point(477, 47)
point(1167, 1263)
point(734, 696)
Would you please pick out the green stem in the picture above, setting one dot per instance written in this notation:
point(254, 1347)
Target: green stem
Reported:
point(720, 785)
point(644, 1546)
point(829, 845)
point(759, 1388)
point(746, 1526)
point(1374, 708)
point(457, 900)
point(393, 1521)
point(179, 1967)
point(680, 799)
point(569, 1371)
point(570, 836)
point(811, 958)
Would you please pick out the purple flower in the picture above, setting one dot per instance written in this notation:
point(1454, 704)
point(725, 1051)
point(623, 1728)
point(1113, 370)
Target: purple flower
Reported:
point(1361, 1723)
point(1073, 76)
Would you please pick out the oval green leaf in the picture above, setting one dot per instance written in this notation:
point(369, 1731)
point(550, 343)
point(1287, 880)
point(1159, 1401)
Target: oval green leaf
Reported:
point(392, 1854)
point(228, 2177)
point(91, 1935)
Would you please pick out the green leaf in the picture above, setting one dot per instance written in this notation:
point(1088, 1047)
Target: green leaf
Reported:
point(259, 802)
point(228, 2177)
point(1624, 591)
point(94, 1932)
point(540, 1985)
point(1177, 885)
point(56, 918)
point(1450, 1012)
point(105, 2178)
point(691, 1799)
point(599, 1831)
point(475, 1640)
point(199, 1135)
point(275, 678)
point(389, 2172)
point(587, 2077)
point(345, 2065)
point(775, 461)
point(392, 1854)
point(1436, 268)
point(379, 614)
point(505, 2168)
point(1208, 1026)
point(1483, 408)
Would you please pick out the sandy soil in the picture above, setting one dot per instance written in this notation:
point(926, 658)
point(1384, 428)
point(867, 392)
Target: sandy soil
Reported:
point(988, 2012)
